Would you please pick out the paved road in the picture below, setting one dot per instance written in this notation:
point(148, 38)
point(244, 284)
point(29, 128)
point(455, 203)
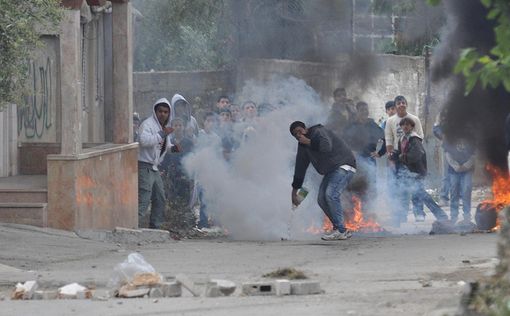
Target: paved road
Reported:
point(394, 275)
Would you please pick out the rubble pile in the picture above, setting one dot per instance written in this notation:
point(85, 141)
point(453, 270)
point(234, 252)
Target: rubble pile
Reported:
point(135, 278)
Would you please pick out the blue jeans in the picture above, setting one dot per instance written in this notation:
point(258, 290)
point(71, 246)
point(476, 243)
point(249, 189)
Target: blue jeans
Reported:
point(151, 191)
point(420, 196)
point(331, 188)
point(444, 192)
point(406, 192)
point(461, 185)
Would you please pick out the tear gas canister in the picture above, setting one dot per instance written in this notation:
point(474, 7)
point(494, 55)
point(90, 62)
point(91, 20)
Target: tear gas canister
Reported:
point(301, 194)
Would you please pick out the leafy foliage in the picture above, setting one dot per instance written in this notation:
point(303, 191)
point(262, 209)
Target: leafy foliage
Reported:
point(181, 35)
point(492, 69)
point(18, 38)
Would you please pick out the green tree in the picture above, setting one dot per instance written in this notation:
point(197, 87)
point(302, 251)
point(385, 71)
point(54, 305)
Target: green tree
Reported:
point(181, 35)
point(19, 21)
point(492, 69)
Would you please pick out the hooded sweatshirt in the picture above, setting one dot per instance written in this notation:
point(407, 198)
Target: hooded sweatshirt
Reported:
point(152, 137)
point(190, 123)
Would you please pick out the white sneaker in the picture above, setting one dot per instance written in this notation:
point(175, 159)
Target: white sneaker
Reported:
point(337, 235)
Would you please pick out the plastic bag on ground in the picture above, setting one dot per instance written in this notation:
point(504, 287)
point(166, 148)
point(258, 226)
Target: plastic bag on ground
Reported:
point(125, 271)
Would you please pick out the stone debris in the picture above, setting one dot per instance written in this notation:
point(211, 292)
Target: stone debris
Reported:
point(282, 287)
point(74, 291)
point(226, 287)
point(146, 279)
point(212, 289)
point(187, 283)
point(305, 287)
point(123, 235)
point(128, 291)
point(24, 291)
point(259, 288)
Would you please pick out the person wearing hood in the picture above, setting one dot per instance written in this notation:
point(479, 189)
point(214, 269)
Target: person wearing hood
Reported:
point(154, 142)
point(413, 158)
point(333, 159)
point(182, 110)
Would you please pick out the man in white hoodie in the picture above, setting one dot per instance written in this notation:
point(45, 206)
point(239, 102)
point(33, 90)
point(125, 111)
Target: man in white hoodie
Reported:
point(154, 139)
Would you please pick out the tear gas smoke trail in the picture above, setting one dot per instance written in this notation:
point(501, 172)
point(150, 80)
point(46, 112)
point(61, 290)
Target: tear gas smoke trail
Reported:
point(479, 116)
point(250, 197)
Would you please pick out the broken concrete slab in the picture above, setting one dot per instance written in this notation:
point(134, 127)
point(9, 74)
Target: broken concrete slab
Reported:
point(24, 291)
point(305, 287)
point(226, 287)
point(74, 290)
point(259, 288)
point(187, 283)
point(171, 289)
point(212, 290)
point(156, 292)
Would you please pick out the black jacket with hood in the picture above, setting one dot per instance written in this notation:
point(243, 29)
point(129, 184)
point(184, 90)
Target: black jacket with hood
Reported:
point(326, 152)
point(414, 157)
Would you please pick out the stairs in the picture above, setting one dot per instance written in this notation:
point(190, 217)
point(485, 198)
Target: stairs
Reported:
point(23, 200)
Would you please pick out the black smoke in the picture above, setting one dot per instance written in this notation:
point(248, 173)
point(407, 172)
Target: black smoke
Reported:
point(480, 115)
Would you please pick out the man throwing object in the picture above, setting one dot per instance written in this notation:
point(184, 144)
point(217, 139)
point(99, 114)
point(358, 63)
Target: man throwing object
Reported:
point(333, 159)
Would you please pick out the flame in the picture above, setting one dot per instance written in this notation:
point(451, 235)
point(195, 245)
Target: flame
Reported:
point(353, 220)
point(500, 190)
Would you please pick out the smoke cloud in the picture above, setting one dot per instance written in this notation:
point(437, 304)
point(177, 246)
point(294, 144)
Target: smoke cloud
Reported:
point(250, 195)
point(480, 115)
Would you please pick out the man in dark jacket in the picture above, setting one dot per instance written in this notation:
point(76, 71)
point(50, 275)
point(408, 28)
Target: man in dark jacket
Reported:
point(331, 157)
point(414, 169)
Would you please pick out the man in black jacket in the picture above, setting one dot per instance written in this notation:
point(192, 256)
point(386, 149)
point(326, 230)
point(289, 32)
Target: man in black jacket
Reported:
point(333, 159)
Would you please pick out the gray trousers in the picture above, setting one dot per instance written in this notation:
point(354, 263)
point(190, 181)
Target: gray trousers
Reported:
point(151, 191)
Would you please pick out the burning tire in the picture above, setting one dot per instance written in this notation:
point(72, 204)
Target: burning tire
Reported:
point(486, 216)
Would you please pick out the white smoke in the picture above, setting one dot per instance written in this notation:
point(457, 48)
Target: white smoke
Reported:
point(250, 195)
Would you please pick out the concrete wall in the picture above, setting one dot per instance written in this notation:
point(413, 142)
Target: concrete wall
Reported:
point(38, 116)
point(200, 88)
point(8, 141)
point(91, 191)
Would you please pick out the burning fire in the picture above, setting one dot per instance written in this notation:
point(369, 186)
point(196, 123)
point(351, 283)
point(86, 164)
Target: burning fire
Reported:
point(500, 190)
point(353, 218)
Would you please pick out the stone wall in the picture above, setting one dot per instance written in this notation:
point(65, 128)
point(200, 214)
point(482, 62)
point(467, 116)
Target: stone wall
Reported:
point(200, 88)
point(94, 190)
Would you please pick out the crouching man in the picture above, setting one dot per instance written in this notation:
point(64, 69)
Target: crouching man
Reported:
point(333, 159)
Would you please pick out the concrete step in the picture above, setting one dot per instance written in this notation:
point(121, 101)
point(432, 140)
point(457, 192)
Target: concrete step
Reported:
point(35, 214)
point(16, 195)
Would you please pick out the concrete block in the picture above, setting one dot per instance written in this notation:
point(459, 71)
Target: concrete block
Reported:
point(226, 287)
point(85, 294)
point(259, 288)
point(212, 290)
point(156, 292)
point(171, 289)
point(305, 287)
point(187, 283)
point(282, 287)
point(100, 295)
point(45, 295)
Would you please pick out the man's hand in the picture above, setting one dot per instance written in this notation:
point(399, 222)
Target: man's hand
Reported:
point(294, 197)
point(176, 148)
point(168, 130)
point(303, 139)
point(374, 154)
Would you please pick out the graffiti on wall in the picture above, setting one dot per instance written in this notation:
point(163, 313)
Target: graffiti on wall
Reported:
point(35, 117)
point(37, 114)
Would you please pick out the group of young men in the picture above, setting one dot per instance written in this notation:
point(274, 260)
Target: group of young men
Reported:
point(350, 143)
point(165, 137)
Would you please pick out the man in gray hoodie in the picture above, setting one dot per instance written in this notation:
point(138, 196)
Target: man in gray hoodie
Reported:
point(333, 159)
